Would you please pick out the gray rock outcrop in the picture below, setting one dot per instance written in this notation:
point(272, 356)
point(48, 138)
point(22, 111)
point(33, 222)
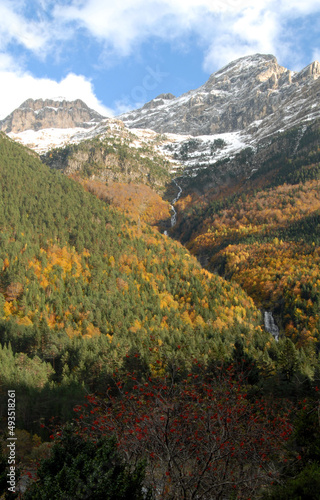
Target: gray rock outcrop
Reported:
point(41, 114)
point(243, 93)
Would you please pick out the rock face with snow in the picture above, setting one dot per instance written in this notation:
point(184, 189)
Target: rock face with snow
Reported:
point(240, 109)
point(251, 93)
point(43, 114)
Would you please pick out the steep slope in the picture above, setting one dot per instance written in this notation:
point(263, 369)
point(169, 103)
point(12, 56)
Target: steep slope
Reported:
point(262, 230)
point(245, 92)
point(243, 105)
point(121, 169)
point(115, 154)
point(266, 163)
point(81, 286)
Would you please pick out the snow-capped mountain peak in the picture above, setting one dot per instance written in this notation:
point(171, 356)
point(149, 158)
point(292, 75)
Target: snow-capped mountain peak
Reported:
point(242, 104)
point(243, 92)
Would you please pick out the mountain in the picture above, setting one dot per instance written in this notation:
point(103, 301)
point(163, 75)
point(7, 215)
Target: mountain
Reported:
point(96, 301)
point(239, 106)
point(256, 112)
point(44, 125)
point(242, 96)
point(244, 105)
point(41, 114)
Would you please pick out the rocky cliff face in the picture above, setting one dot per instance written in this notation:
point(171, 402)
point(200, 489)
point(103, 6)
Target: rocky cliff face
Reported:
point(240, 110)
point(242, 94)
point(43, 114)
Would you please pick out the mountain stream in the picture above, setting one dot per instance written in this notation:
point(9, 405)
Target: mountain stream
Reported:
point(174, 216)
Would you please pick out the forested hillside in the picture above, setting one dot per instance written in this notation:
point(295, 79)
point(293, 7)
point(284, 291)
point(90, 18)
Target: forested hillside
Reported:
point(77, 275)
point(263, 233)
point(186, 391)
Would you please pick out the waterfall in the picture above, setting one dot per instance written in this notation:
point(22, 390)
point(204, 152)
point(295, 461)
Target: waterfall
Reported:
point(300, 135)
point(270, 324)
point(174, 216)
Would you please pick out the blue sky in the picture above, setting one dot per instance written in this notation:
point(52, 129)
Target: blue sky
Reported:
point(118, 54)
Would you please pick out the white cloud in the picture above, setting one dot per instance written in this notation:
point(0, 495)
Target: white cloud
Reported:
point(297, 7)
point(121, 26)
point(17, 87)
point(253, 31)
point(7, 63)
point(225, 29)
point(31, 34)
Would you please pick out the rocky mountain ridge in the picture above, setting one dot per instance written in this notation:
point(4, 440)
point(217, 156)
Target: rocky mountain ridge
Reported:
point(249, 94)
point(240, 109)
point(50, 113)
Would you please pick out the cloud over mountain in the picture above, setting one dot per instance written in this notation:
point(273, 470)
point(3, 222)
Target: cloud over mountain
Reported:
point(54, 34)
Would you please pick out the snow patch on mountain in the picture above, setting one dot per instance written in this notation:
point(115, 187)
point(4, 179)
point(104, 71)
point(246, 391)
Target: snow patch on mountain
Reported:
point(241, 106)
point(43, 140)
point(253, 94)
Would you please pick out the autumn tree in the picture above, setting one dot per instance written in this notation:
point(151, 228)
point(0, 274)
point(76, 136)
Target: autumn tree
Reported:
point(199, 436)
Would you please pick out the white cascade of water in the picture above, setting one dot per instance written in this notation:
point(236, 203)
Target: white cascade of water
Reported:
point(174, 216)
point(270, 324)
